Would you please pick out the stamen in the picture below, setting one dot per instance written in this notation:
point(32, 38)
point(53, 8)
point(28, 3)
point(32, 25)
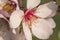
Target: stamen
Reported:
point(29, 16)
point(10, 6)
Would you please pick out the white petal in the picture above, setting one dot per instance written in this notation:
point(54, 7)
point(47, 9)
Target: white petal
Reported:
point(41, 29)
point(53, 6)
point(46, 10)
point(15, 18)
point(27, 32)
point(32, 3)
point(1, 38)
point(14, 31)
point(51, 22)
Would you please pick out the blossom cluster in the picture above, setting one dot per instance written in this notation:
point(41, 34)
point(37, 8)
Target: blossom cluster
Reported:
point(36, 20)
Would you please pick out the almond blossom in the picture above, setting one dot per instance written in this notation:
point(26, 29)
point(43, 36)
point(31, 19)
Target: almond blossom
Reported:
point(37, 21)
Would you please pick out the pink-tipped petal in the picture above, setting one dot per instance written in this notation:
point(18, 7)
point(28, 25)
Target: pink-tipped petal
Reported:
point(46, 10)
point(53, 6)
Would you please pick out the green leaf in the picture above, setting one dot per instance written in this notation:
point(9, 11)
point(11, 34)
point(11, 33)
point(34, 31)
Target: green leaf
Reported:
point(45, 1)
point(22, 4)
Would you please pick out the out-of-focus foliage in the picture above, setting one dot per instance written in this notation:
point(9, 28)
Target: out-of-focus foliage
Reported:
point(22, 4)
point(58, 2)
point(45, 1)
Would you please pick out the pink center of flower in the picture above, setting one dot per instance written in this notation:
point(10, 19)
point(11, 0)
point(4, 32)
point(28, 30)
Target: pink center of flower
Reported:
point(29, 16)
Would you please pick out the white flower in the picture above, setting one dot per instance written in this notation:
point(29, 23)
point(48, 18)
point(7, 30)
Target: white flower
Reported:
point(38, 22)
